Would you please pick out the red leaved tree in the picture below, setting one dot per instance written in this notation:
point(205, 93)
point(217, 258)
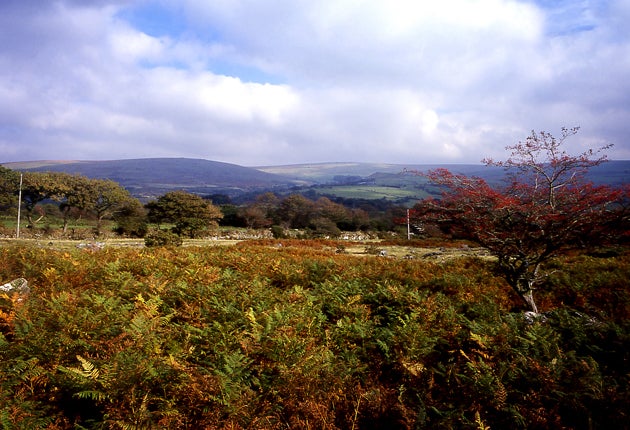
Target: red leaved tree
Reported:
point(546, 206)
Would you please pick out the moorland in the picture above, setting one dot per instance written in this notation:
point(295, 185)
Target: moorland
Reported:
point(286, 333)
point(120, 315)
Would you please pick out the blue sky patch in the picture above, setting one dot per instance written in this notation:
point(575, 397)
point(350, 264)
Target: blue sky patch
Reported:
point(155, 20)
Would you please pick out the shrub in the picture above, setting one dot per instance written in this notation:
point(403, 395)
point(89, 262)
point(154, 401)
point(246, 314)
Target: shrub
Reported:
point(162, 238)
point(278, 232)
point(132, 227)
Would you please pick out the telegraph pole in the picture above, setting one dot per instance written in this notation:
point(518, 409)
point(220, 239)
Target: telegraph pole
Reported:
point(17, 235)
point(408, 226)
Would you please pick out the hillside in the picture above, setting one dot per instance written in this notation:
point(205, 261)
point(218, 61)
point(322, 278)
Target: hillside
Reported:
point(397, 183)
point(333, 172)
point(615, 172)
point(150, 177)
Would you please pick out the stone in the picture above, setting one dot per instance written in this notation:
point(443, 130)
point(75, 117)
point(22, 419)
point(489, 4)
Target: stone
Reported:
point(19, 285)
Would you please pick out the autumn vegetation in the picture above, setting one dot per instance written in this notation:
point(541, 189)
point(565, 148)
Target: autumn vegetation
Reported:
point(283, 333)
point(545, 208)
point(299, 336)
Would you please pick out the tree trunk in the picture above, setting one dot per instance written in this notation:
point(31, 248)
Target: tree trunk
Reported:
point(99, 222)
point(32, 222)
point(521, 278)
point(528, 297)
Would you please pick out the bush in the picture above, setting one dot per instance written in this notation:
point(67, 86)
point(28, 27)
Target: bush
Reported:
point(278, 232)
point(132, 227)
point(325, 227)
point(162, 238)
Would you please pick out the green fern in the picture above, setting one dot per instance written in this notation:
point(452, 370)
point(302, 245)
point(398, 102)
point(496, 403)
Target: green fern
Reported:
point(5, 420)
point(96, 384)
point(90, 371)
point(87, 370)
point(95, 395)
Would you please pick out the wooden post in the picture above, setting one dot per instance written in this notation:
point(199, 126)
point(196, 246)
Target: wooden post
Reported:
point(17, 234)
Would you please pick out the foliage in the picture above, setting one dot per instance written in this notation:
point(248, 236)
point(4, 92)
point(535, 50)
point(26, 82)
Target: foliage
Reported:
point(547, 208)
point(190, 214)
point(162, 238)
point(106, 198)
point(9, 184)
point(38, 187)
point(131, 219)
point(321, 217)
point(72, 196)
point(78, 199)
point(278, 232)
point(298, 336)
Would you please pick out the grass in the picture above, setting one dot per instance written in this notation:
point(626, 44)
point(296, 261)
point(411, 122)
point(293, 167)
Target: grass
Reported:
point(371, 192)
point(374, 247)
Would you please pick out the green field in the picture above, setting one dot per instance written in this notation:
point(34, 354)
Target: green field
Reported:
point(371, 192)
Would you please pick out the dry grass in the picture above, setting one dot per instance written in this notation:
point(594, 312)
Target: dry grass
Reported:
point(363, 249)
point(405, 252)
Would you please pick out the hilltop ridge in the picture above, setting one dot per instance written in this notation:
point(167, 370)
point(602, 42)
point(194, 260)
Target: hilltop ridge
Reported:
point(150, 177)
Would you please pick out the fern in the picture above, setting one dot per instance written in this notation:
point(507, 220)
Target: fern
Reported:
point(5, 420)
point(480, 424)
point(140, 418)
point(89, 377)
point(253, 336)
point(3, 341)
point(87, 370)
point(95, 395)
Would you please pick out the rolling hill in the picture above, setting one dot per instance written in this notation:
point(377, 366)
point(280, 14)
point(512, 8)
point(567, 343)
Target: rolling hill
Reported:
point(614, 172)
point(149, 177)
point(152, 177)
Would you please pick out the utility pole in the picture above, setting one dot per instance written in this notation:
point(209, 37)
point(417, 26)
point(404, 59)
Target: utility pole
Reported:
point(17, 235)
point(408, 226)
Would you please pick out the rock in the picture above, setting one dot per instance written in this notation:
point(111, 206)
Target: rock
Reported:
point(19, 285)
point(532, 317)
point(91, 246)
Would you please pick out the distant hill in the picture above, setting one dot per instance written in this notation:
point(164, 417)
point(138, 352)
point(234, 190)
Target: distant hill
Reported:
point(614, 172)
point(396, 183)
point(332, 172)
point(149, 177)
point(152, 177)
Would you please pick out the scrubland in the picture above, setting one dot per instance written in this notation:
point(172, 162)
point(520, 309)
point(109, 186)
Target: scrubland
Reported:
point(288, 334)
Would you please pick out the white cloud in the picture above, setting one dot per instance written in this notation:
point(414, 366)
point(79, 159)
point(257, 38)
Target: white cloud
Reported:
point(129, 45)
point(266, 82)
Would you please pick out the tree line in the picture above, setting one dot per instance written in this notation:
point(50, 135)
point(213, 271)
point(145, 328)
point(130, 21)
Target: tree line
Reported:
point(52, 196)
point(72, 196)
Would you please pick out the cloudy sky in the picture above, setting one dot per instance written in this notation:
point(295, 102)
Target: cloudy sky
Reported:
point(260, 82)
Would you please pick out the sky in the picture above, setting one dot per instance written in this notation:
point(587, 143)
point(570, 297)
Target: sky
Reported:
point(271, 82)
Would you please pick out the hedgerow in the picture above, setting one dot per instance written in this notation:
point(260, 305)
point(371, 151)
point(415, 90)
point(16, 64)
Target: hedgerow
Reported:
point(266, 336)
